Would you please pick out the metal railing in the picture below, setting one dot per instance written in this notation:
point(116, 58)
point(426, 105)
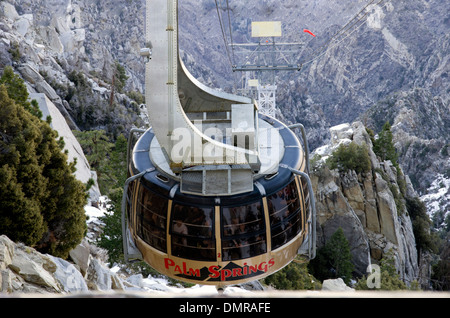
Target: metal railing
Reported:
point(129, 249)
point(312, 221)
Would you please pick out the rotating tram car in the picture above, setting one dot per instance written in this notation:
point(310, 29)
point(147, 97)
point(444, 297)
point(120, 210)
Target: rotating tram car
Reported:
point(217, 193)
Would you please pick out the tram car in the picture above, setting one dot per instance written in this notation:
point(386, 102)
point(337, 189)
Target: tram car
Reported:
point(217, 193)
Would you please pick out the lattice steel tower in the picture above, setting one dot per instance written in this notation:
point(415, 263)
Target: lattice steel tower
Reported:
point(263, 59)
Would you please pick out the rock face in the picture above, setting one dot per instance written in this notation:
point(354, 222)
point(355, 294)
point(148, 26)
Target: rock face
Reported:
point(63, 49)
point(403, 44)
point(86, 34)
point(75, 152)
point(420, 127)
point(364, 206)
point(336, 285)
point(24, 270)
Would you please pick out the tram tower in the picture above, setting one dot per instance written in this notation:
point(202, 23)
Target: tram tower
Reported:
point(262, 60)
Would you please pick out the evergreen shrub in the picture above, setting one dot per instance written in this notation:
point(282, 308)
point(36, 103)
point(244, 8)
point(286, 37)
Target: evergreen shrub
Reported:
point(41, 201)
point(350, 157)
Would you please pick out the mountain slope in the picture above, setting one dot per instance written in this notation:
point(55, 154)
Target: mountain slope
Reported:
point(403, 45)
point(395, 68)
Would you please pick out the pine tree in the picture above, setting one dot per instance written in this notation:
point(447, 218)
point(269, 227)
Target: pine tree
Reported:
point(115, 172)
point(63, 208)
point(96, 146)
point(384, 146)
point(109, 160)
point(115, 169)
point(120, 77)
point(338, 251)
point(18, 91)
point(41, 202)
point(20, 217)
point(425, 239)
point(334, 260)
point(111, 237)
point(350, 157)
point(21, 183)
point(441, 270)
point(389, 278)
point(293, 277)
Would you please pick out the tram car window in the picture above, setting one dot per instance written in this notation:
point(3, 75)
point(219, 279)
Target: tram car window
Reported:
point(243, 231)
point(192, 232)
point(151, 213)
point(285, 215)
point(306, 200)
point(129, 200)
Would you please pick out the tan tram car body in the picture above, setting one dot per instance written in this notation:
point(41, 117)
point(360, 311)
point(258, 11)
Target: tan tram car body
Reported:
point(220, 240)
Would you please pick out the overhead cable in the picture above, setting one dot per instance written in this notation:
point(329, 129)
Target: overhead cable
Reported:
point(223, 34)
point(344, 32)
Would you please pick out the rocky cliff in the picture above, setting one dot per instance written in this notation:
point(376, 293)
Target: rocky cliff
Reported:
point(25, 270)
point(63, 49)
point(368, 206)
point(420, 126)
point(88, 35)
